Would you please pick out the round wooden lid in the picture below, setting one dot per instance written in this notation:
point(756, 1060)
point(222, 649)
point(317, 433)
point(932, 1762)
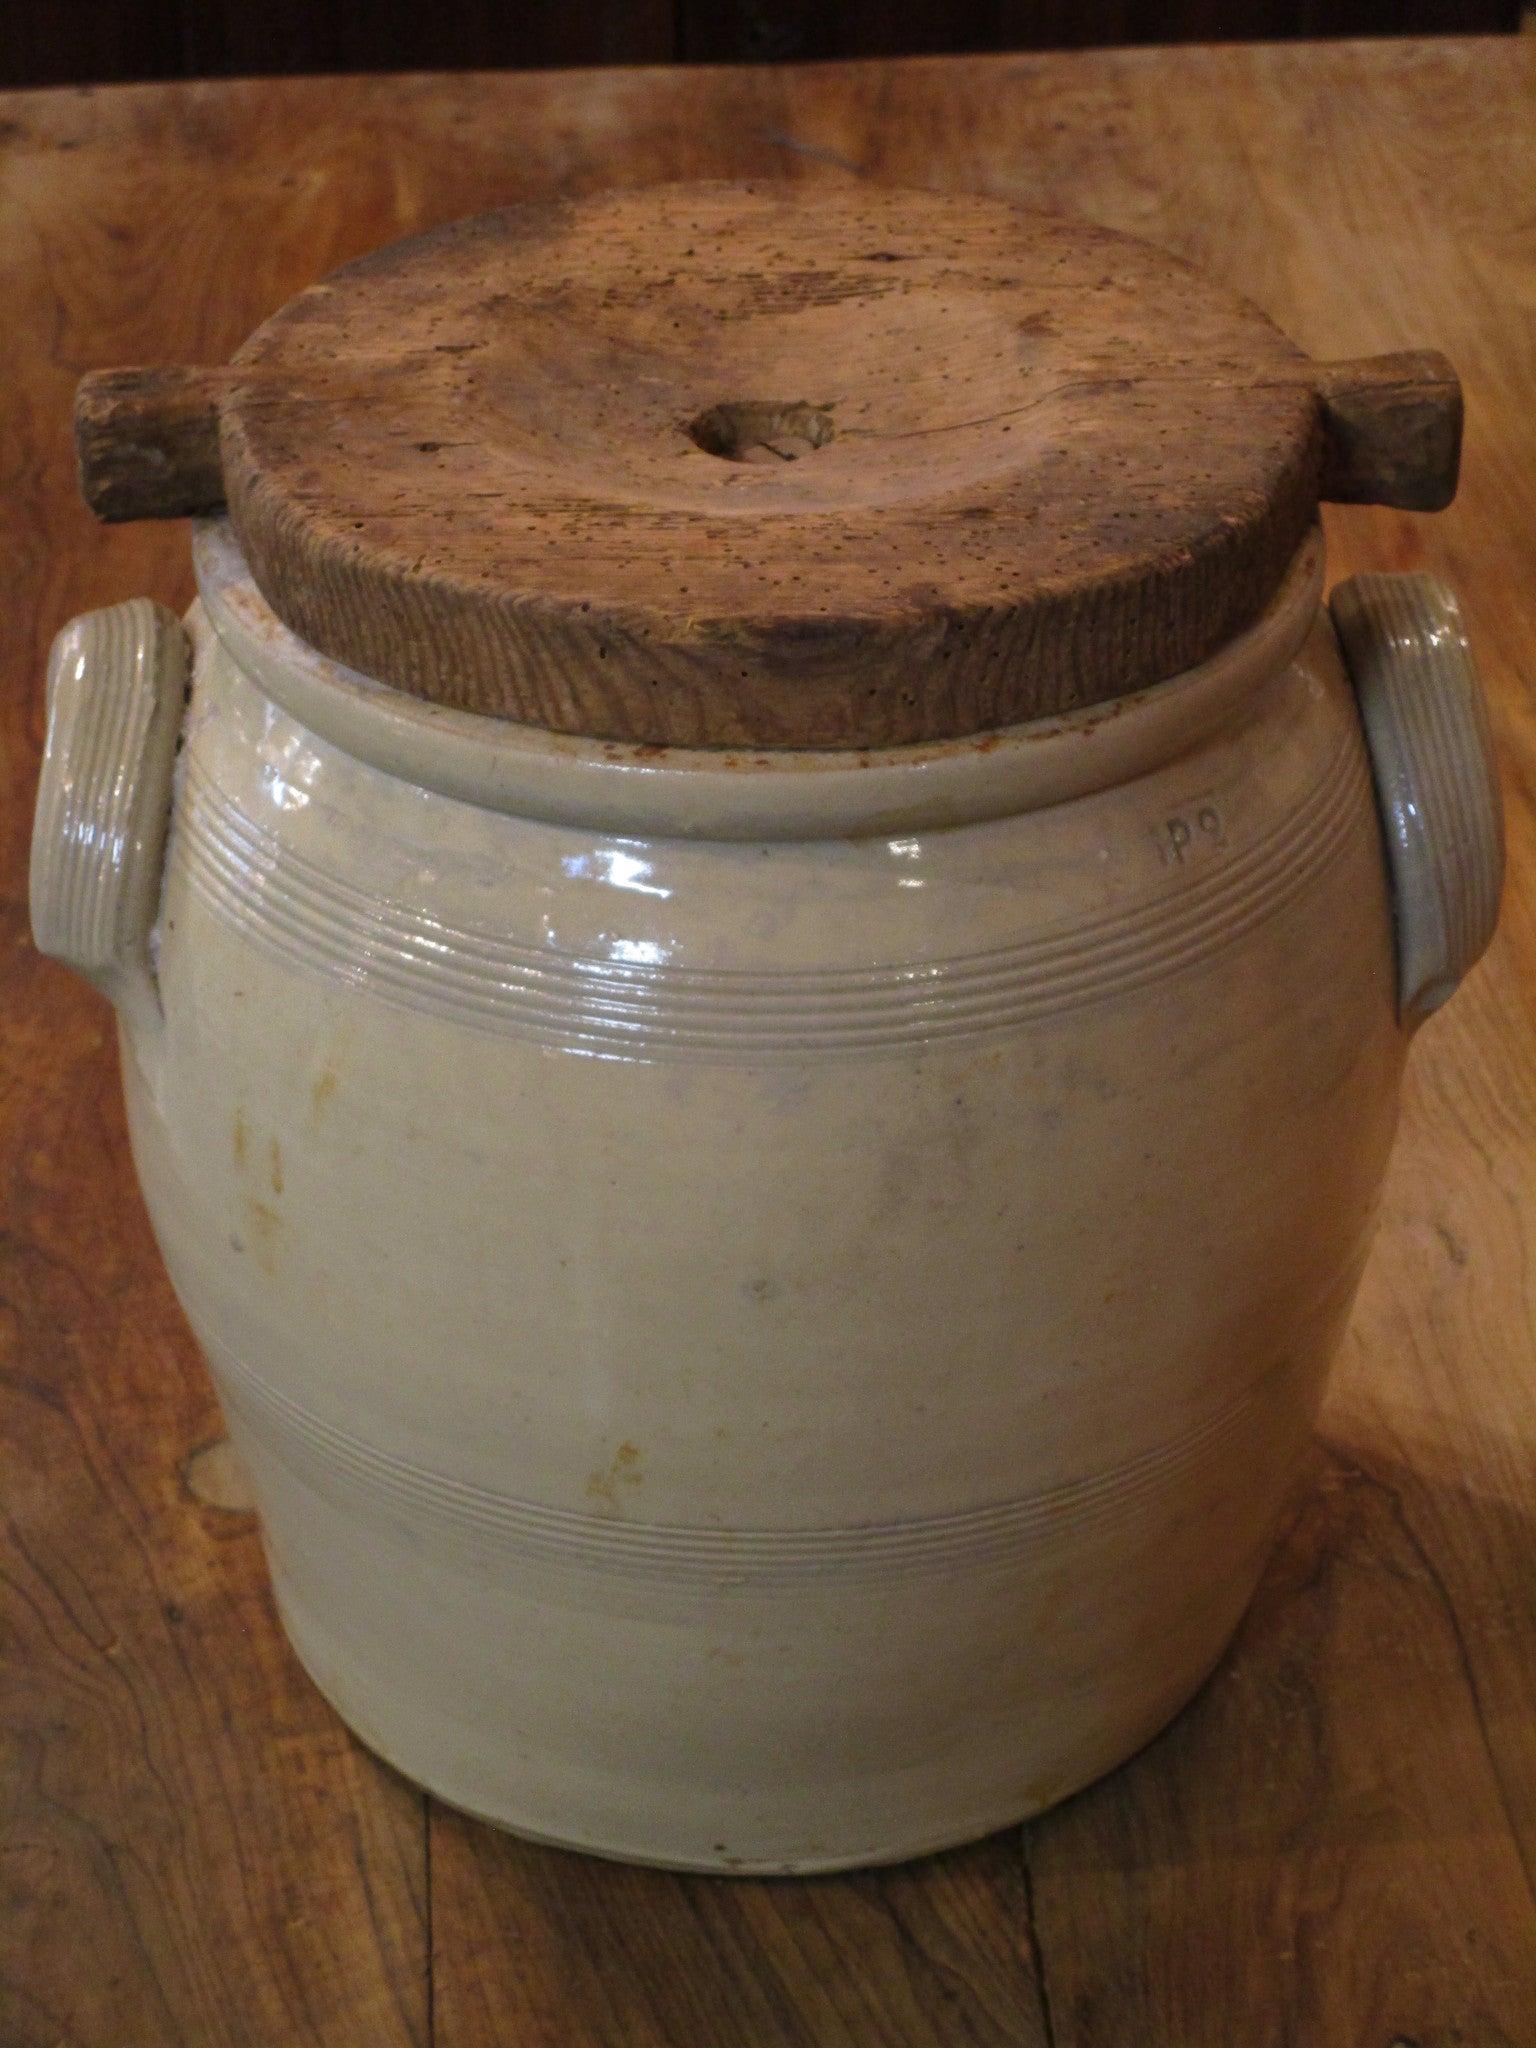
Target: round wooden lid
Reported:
point(769, 465)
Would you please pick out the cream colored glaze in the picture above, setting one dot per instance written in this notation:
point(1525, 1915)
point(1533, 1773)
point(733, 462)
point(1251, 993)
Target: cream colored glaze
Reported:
point(770, 1353)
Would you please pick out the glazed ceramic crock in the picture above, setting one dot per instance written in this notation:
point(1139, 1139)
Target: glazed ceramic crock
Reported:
point(772, 1303)
point(770, 1124)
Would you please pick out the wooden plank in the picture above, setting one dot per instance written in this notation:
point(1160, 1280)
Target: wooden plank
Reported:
point(1307, 1854)
point(1318, 1850)
point(535, 1945)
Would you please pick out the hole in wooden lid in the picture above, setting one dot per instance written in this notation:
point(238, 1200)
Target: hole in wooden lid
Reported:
point(762, 430)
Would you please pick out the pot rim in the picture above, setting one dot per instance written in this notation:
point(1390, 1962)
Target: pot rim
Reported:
point(631, 789)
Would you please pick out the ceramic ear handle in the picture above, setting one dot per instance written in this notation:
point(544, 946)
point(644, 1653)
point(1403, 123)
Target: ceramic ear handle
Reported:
point(1437, 788)
point(116, 693)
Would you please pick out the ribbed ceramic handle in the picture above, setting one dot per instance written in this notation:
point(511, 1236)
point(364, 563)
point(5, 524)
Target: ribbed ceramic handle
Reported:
point(116, 691)
point(1426, 726)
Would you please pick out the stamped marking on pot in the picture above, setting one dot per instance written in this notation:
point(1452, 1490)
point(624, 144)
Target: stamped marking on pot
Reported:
point(216, 1477)
point(1198, 828)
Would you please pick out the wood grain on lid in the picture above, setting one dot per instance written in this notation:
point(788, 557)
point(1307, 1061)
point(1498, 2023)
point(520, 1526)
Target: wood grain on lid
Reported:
point(771, 465)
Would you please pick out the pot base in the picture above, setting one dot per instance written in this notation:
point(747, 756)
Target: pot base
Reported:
point(434, 1775)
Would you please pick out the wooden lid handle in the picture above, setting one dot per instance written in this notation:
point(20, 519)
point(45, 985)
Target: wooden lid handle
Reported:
point(1392, 431)
point(148, 440)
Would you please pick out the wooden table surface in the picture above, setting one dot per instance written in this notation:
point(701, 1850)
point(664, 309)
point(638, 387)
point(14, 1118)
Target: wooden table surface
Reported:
point(1337, 1842)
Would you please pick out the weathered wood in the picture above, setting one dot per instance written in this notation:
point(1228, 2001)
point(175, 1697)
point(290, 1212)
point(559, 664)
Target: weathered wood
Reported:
point(501, 465)
point(1392, 427)
point(147, 442)
point(544, 1946)
point(1336, 1775)
point(190, 1856)
point(1003, 520)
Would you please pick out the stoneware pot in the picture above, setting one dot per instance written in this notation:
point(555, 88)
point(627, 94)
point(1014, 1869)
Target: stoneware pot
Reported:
point(772, 1300)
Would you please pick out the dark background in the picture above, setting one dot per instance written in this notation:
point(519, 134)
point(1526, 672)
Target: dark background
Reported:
point(69, 42)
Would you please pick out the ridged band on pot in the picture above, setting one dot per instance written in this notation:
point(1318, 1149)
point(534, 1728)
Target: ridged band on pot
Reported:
point(632, 1002)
